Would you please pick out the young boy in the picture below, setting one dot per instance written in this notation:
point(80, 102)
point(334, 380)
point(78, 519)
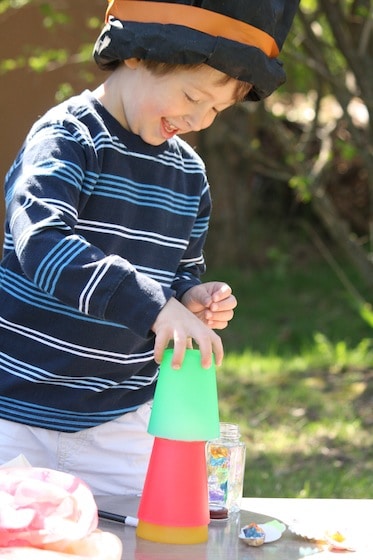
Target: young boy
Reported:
point(107, 214)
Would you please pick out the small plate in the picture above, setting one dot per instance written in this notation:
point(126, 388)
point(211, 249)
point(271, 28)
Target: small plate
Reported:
point(272, 530)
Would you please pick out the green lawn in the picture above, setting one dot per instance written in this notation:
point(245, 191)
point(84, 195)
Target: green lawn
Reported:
point(298, 379)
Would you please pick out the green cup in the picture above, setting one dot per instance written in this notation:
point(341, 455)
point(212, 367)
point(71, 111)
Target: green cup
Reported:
point(185, 404)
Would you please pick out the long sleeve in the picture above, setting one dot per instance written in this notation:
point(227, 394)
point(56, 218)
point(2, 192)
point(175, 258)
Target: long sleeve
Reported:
point(49, 189)
point(101, 230)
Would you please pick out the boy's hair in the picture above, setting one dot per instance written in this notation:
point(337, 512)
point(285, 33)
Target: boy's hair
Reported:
point(162, 68)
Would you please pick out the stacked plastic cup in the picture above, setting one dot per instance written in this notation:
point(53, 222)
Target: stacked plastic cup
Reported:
point(174, 504)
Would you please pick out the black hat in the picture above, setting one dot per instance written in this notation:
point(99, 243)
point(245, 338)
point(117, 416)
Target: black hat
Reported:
point(241, 38)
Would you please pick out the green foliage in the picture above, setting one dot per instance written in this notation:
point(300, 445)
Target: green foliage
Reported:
point(301, 183)
point(282, 305)
point(366, 313)
point(9, 64)
point(43, 59)
point(311, 31)
point(53, 17)
point(12, 4)
point(64, 92)
point(339, 356)
point(84, 54)
point(298, 379)
point(306, 430)
point(94, 23)
point(39, 59)
point(346, 150)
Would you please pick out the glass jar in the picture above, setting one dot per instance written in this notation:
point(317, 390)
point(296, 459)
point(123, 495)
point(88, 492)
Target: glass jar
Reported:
point(226, 469)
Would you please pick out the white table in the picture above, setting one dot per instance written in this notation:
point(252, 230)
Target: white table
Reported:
point(223, 542)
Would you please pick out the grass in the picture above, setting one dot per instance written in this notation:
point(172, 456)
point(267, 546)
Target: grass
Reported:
point(298, 379)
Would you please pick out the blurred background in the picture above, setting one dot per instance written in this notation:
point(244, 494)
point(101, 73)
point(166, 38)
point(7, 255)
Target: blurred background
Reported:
point(292, 231)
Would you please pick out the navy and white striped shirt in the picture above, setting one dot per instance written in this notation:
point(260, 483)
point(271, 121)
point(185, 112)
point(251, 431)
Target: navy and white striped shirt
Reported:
point(101, 230)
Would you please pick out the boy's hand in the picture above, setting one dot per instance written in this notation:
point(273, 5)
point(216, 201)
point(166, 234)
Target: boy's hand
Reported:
point(212, 303)
point(175, 322)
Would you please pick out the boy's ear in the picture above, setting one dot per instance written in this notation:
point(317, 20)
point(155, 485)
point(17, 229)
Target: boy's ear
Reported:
point(132, 63)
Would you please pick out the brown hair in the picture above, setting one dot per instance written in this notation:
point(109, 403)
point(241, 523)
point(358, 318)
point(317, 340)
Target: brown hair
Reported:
point(163, 68)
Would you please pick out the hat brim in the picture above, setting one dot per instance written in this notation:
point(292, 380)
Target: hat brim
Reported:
point(177, 44)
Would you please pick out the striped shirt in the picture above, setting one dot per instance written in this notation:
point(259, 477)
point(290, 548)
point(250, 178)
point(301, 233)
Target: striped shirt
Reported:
point(101, 230)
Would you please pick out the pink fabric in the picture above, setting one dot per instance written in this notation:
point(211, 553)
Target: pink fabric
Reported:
point(39, 507)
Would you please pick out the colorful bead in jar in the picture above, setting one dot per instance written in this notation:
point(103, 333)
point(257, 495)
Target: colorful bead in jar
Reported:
point(226, 468)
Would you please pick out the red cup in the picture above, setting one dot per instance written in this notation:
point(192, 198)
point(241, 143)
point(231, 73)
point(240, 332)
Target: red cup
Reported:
point(175, 491)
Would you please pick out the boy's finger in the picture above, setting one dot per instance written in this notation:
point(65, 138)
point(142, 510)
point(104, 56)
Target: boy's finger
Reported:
point(161, 343)
point(218, 352)
point(178, 354)
point(222, 293)
point(224, 304)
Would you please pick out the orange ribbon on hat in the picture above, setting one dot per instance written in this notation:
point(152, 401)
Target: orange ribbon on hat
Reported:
point(212, 23)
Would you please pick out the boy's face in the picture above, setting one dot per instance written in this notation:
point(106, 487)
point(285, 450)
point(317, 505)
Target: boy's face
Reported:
point(158, 107)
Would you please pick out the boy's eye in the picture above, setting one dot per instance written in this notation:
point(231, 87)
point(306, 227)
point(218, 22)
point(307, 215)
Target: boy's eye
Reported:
point(191, 99)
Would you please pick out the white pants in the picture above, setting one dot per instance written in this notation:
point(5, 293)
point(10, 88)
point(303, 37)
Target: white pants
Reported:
point(111, 458)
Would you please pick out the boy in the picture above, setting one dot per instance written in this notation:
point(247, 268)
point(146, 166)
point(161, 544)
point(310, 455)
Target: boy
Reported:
point(107, 214)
